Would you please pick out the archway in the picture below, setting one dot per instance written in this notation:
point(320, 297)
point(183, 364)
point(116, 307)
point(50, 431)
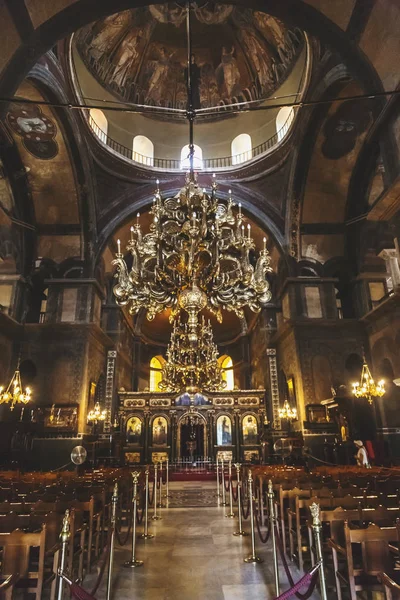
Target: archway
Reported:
point(192, 436)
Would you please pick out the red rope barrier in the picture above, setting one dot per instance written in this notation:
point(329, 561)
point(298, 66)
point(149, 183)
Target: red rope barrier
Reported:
point(79, 593)
point(308, 578)
point(151, 497)
point(245, 513)
point(140, 513)
point(226, 486)
point(313, 581)
point(235, 493)
point(263, 539)
point(122, 541)
point(104, 558)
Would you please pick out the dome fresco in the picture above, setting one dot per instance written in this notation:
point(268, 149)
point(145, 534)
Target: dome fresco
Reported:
point(140, 55)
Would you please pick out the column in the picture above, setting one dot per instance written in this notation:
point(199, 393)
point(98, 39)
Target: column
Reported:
point(236, 418)
point(146, 425)
point(109, 393)
point(273, 412)
point(210, 433)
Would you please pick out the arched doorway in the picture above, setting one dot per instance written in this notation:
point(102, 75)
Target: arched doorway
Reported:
point(192, 436)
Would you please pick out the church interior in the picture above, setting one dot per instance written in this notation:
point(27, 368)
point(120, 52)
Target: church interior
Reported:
point(199, 299)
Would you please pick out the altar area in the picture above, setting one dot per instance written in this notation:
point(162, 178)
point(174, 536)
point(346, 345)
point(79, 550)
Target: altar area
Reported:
point(156, 426)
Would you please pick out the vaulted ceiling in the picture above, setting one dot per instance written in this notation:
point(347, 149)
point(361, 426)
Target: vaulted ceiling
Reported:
point(309, 194)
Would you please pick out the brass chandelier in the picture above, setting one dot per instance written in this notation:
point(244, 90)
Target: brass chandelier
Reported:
point(96, 414)
point(366, 387)
point(192, 360)
point(198, 254)
point(14, 393)
point(287, 412)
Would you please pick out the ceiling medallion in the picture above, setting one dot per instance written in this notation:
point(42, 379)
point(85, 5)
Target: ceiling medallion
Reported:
point(198, 254)
point(192, 360)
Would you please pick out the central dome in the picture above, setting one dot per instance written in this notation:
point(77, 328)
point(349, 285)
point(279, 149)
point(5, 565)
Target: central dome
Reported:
point(140, 55)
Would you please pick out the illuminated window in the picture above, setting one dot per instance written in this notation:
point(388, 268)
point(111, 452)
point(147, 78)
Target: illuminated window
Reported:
point(143, 150)
point(284, 119)
point(241, 149)
point(197, 158)
point(155, 373)
point(98, 122)
point(226, 365)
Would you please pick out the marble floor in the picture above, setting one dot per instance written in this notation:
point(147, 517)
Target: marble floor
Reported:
point(194, 556)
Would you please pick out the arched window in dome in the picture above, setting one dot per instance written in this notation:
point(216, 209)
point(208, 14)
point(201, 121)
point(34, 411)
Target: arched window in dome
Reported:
point(156, 365)
point(143, 150)
point(98, 122)
point(284, 119)
point(226, 364)
point(241, 148)
point(197, 158)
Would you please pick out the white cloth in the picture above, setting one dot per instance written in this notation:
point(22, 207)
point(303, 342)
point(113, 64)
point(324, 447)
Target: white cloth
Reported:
point(362, 457)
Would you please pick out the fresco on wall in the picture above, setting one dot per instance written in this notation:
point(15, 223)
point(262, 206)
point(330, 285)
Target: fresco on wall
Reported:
point(238, 55)
point(133, 430)
point(160, 430)
point(36, 130)
point(250, 430)
point(224, 431)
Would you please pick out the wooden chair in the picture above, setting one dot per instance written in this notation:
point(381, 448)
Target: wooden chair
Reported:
point(366, 554)
point(16, 558)
point(297, 513)
point(332, 528)
point(381, 515)
point(281, 506)
point(392, 589)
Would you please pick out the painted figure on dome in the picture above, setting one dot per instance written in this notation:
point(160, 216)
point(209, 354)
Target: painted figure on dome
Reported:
point(126, 58)
point(227, 72)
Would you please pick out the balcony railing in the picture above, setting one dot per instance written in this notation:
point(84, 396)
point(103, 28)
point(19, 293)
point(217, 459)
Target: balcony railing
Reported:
point(209, 164)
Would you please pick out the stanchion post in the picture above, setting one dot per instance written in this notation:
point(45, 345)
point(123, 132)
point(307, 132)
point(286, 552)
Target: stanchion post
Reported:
point(253, 558)
point(223, 482)
point(317, 528)
point(155, 516)
point(146, 535)
point(261, 500)
point(64, 538)
point(114, 500)
point(161, 484)
point(167, 476)
point(133, 562)
point(272, 524)
point(218, 492)
point(230, 514)
point(239, 503)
